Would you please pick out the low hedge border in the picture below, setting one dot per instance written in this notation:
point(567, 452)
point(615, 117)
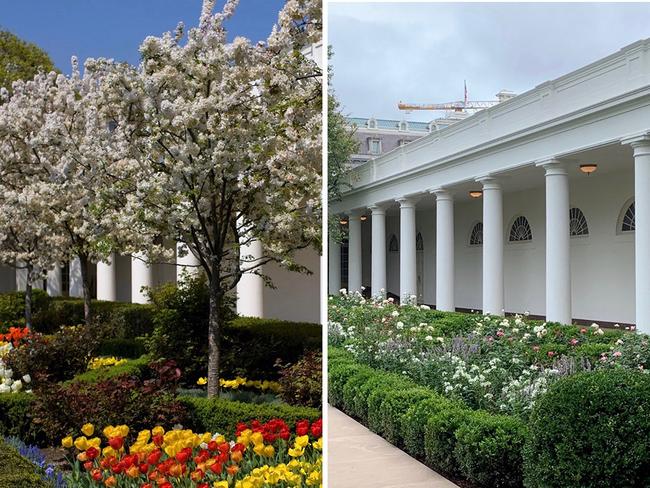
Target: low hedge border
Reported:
point(132, 367)
point(222, 416)
point(16, 471)
point(482, 447)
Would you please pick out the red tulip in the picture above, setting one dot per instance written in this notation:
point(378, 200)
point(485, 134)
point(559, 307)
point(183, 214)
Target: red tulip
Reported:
point(116, 443)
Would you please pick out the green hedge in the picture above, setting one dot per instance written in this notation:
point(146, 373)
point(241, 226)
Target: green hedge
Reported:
point(15, 417)
point(122, 348)
point(591, 430)
point(217, 415)
point(483, 447)
point(16, 471)
point(134, 367)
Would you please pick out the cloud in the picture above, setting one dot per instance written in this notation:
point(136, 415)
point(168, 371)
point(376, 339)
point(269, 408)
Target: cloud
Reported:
point(422, 52)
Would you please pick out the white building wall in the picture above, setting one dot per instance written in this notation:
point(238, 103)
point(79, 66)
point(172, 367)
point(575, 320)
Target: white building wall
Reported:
point(296, 296)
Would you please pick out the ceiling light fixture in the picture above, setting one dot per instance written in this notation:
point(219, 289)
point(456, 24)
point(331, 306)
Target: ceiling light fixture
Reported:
point(588, 168)
point(476, 193)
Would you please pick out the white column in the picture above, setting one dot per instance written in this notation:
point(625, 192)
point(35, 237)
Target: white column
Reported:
point(54, 282)
point(641, 146)
point(408, 285)
point(334, 259)
point(444, 251)
point(354, 252)
point(76, 288)
point(493, 302)
point(107, 279)
point(185, 265)
point(141, 276)
point(558, 249)
point(250, 289)
point(378, 254)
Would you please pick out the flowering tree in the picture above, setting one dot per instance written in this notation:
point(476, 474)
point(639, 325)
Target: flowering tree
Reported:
point(27, 240)
point(225, 147)
point(58, 153)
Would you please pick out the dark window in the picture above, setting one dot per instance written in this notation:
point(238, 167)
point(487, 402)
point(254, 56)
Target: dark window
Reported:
point(393, 245)
point(476, 238)
point(628, 220)
point(577, 223)
point(520, 230)
point(344, 262)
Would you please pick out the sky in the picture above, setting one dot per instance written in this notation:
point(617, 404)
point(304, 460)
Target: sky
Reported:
point(422, 52)
point(115, 28)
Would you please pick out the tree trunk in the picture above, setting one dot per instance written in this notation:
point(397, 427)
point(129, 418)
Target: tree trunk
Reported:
point(214, 337)
point(85, 283)
point(28, 298)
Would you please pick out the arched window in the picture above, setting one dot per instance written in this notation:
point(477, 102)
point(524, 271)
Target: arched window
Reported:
point(372, 123)
point(627, 223)
point(476, 237)
point(577, 223)
point(393, 245)
point(419, 242)
point(520, 230)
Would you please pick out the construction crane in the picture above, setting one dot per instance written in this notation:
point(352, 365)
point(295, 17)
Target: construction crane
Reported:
point(459, 106)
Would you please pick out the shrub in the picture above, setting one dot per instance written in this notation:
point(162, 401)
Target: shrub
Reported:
point(58, 357)
point(591, 430)
point(302, 382)
point(127, 399)
point(375, 400)
point(415, 419)
point(16, 471)
point(219, 415)
point(133, 367)
point(351, 388)
point(180, 320)
point(378, 382)
point(337, 376)
point(392, 410)
point(12, 307)
point(489, 449)
point(253, 345)
point(15, 416)
point(440, 439)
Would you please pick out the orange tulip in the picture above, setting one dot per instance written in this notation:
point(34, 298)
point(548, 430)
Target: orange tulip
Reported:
point(232, 470)
point(111, 481)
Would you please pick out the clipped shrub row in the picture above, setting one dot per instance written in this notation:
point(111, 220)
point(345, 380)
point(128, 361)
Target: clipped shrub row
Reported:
point(482, 447)
point(590, 430)
point(16, 471)
point(121, 320)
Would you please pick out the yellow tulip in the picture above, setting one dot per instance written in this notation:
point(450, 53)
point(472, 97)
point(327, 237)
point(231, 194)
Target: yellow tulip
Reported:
point(302, 441)
point(88, 429)
point(158, 430)
point(81, 443)
point(66, 442)
point(220, 484)
point(95, 442)
point(269, 451)
point(202, 381)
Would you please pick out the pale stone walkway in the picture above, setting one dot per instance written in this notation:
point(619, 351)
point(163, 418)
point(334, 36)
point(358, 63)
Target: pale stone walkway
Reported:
point(360, 459)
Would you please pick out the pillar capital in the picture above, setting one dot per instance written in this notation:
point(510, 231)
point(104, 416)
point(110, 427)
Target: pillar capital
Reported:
point(639, 142)
point(377, 209)
point(554, 166)
point(441, 194)
point(406, 201)
point(489, 182)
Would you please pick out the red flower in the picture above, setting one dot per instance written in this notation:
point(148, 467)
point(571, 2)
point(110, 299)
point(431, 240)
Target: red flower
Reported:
point(216, 468)
point(302, 427)
point(166, 484)
point(154, 457)
point(116, 443)
point(202, 485)
point(146, 485)
point(92, 453)
point(212, 445)
point(550, 354)
point(158, 440)
point(144, 467)
point(184, 455)
point(96, 474)
point(317, 428)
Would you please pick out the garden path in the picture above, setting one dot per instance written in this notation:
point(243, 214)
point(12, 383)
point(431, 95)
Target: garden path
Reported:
point(359, 458)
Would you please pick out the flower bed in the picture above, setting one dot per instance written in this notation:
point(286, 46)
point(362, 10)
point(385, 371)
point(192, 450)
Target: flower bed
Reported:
point(461, 392)
point(261, 454)
point(493, 363)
